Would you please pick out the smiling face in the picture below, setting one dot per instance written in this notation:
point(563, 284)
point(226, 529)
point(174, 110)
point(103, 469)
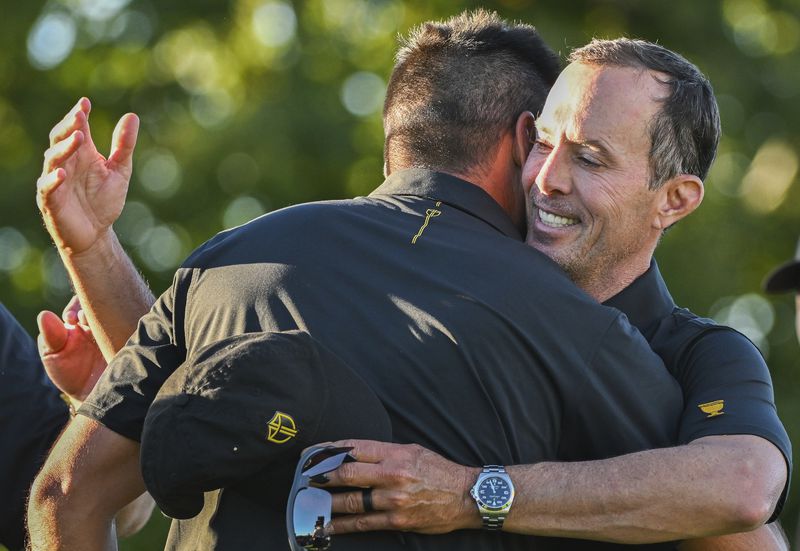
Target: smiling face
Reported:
point(590, 207)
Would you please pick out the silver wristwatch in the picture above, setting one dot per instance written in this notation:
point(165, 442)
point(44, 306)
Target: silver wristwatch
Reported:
point(493, 492)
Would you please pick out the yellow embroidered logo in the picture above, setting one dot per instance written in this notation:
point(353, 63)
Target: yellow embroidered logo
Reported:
point(713, 408)
point(429, 213)
point(281, 428)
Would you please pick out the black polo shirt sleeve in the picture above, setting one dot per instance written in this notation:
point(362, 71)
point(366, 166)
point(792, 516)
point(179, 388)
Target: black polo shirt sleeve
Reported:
point(32, 415)
point(728, 390)
point(618, 414)
point(126, 389)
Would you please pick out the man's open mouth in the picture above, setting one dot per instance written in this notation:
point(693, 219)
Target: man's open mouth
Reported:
point(555, 220)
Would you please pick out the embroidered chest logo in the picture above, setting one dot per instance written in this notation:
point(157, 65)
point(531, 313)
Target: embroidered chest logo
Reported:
point(282, 428)
point(713, 408)
point(429, 213)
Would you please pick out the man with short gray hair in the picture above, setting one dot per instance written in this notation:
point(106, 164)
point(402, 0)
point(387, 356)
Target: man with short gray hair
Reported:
point(625, 138)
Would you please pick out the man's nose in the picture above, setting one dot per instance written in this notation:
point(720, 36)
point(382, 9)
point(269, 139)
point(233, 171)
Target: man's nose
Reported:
point(554, 174)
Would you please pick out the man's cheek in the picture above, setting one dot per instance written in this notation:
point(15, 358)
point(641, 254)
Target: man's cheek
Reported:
point(531, 170)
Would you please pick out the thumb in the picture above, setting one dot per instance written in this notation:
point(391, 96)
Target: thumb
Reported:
point(52, 333)
point(124, 141)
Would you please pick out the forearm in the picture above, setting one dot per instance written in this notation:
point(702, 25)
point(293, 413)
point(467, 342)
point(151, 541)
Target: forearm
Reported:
point(112, 292)
point(766, 538)
point(90, 476)
point(57, 524)
point(712, 486)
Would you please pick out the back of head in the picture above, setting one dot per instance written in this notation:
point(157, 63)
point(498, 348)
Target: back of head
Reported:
point(685, 132)
point(458, 85)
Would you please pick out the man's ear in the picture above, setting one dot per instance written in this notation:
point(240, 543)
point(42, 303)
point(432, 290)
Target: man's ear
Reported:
point(524, 136)
point(679, 196)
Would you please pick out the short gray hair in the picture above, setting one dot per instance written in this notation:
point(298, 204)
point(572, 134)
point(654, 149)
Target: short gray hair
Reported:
point(685, 132)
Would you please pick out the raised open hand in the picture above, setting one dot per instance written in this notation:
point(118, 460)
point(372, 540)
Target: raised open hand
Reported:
point(81, 193)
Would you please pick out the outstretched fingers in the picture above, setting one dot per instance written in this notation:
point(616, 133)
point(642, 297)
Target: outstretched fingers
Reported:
point(76, 119)
point(58, 154)
point(123, 142)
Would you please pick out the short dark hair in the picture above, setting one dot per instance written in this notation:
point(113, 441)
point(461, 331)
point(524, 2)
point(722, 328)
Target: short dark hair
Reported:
point(685, 132)
point(457, 85)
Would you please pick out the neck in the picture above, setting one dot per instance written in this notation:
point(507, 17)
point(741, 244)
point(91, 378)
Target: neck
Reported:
point(500, 178)
point(602, 284)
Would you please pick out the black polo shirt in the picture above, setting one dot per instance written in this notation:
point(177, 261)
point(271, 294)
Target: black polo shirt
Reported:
point(480, 347)
point(32, 415)
point(726, 384)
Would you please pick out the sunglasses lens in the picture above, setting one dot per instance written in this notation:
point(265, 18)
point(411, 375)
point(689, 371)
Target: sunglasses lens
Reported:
point(325, 461)
point(311, 515)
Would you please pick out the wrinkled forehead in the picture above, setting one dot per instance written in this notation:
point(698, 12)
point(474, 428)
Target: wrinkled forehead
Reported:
point(617, 103)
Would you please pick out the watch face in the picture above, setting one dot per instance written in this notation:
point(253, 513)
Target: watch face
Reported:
point(494, 492)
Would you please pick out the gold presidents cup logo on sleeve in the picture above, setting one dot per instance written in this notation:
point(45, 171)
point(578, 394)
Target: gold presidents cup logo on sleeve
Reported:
point(713, 408)
point(281, 428)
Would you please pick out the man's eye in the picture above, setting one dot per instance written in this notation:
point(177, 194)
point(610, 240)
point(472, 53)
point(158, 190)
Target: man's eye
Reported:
point(542, 145)
point(586, 161)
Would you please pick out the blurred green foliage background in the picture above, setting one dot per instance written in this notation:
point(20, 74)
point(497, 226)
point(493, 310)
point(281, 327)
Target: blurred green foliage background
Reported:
point(252, 105)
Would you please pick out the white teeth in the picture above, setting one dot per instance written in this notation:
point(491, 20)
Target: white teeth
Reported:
point(554, 220)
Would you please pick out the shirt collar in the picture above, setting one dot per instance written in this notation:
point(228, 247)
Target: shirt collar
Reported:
point(453, 191)
point(646, 300)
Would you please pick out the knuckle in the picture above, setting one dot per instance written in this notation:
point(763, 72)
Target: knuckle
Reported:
point(398, 500)
point(352, 502)
point(414, 453)
point(398, 521)
point(347, 473)
point(361, 524)
point(400, 475)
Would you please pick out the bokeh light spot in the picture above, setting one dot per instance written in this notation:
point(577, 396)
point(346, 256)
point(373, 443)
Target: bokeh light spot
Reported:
point(160, 173)
point(54, 275)
point(750, 314)
point(14, 249)
point(242, 210)
point(161, 249)
point(362, 93)
point(274, 24)
point(770, 174)
point(211, 110)
point(51, 40)
point(134, 222)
